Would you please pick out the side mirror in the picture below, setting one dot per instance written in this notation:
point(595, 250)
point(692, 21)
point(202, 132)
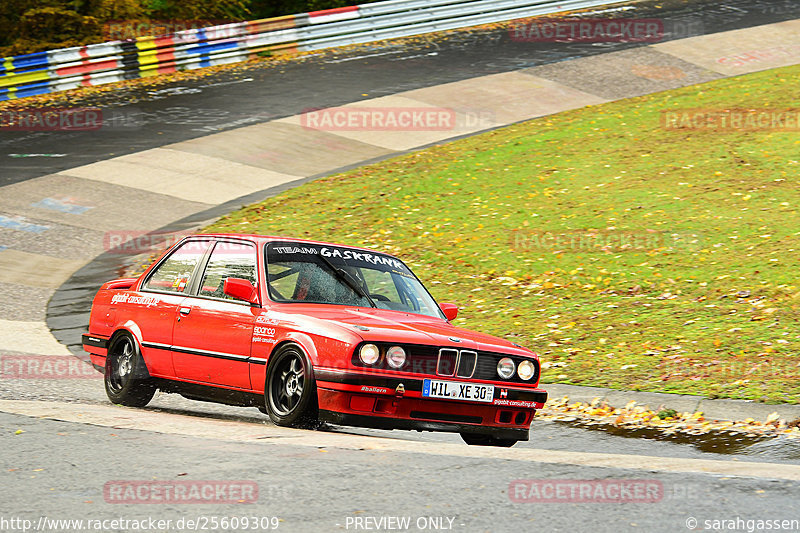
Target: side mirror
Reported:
point(449, 310)
point(240, 289)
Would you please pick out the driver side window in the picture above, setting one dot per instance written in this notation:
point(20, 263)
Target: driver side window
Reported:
point(228, 260)
point(173, 275)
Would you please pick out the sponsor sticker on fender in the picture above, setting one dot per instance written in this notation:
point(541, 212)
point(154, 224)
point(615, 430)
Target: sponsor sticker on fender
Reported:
point(264, 334)
point(127, 298)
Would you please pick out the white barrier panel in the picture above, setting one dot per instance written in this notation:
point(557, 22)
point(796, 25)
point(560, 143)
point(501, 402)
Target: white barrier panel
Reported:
point(96, 64)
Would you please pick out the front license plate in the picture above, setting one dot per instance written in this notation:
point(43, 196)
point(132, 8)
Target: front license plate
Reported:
point(454, 390)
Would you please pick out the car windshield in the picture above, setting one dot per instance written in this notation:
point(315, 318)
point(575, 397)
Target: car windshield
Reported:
point(311, 273)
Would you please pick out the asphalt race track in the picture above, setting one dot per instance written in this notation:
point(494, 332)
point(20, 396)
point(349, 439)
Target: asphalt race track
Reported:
point(64, 443)
point(177, 112)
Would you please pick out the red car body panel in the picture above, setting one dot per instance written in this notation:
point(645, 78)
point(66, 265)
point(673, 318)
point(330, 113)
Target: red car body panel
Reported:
point(227, 345)
point(220, 327)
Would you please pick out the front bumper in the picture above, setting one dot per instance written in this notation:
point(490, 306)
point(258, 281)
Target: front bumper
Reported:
point(373, 400)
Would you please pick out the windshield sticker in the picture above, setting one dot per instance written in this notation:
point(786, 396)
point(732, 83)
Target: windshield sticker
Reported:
point(362, 256)
point(350, 256)
point(294, 250)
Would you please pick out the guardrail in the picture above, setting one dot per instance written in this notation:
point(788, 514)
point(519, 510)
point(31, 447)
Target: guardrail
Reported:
point(97, 64)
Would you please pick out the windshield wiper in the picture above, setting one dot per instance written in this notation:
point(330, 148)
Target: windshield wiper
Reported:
point(345, 276)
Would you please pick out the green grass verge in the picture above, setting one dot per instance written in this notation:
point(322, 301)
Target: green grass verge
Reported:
point(704, 297)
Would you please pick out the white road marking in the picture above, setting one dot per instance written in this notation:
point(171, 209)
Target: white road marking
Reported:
point(609, 10)
point(366, 56)
point(225, 83)
point(177, 424)
point(412, 57)
point(36, 155)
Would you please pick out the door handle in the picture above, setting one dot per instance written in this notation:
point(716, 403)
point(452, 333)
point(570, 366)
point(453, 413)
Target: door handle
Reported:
point(185, 310)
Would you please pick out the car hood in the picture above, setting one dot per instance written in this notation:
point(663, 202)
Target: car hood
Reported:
point(382, 325)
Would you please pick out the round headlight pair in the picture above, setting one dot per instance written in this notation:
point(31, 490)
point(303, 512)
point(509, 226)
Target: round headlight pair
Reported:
point(370, 354)
point(506, 367)
point(526, 370)
point(396, 357)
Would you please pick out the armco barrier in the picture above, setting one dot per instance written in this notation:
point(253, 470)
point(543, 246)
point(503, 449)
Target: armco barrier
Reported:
point(96, 64)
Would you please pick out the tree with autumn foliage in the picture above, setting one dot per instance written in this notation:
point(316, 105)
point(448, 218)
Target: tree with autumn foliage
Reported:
point(38, 25)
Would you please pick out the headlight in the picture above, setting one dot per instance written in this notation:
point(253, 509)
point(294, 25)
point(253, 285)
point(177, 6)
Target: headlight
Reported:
point(505, 368)
point(396, 357)
point(369, 354)
point(526, 370)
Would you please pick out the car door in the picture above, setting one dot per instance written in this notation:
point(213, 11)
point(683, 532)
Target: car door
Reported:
point(213, 332)
point(154, 308)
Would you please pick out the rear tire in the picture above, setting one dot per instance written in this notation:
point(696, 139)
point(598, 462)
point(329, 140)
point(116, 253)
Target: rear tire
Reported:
point(291, 390)
point(479, 439)
point(127, 381)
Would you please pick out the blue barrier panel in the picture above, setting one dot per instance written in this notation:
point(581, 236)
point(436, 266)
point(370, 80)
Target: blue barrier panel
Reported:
point(41, 87)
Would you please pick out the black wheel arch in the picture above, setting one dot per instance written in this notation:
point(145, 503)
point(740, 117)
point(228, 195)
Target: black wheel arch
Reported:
point(306, 413)
point(276, 349)
point(142, 373)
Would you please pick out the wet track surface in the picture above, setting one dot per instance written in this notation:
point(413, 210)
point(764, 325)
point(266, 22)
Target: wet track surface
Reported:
point(717, 445)
point(548, 435)
point(319, 489)
point(567, 436)
point(181, 111)
point(140, 118)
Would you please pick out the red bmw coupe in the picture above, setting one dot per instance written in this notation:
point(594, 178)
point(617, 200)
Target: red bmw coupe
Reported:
point(308, 331)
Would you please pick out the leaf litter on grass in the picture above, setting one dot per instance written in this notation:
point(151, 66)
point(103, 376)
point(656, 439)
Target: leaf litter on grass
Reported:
point(716, 316)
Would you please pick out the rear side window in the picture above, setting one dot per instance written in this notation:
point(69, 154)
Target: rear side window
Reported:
point(173, 275)
point(228, 260)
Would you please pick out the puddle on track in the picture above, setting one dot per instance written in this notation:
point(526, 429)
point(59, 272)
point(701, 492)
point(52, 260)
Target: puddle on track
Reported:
point(718, 442)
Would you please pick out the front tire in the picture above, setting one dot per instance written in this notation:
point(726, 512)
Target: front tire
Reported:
point(291, 390)
point(479, 439)
point(127, 381)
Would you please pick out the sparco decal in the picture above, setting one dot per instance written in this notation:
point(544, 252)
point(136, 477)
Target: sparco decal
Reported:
point(264, 334)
